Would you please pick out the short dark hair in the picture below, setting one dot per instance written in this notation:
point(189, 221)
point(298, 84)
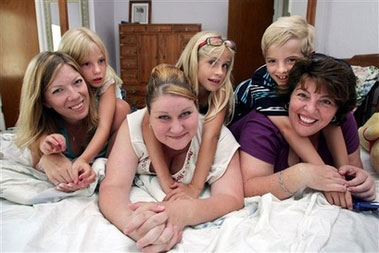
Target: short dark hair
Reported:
point(334, 74)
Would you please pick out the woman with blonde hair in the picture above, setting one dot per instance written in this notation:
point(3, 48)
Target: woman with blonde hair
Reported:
point(177, 126)
point(57, 119)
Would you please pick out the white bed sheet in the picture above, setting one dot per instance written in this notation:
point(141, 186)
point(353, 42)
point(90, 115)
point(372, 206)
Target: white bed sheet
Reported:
point(43, 219)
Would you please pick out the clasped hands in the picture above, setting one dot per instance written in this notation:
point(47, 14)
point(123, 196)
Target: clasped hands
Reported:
point(358, 183)
point(64, 174)
point(149, 225)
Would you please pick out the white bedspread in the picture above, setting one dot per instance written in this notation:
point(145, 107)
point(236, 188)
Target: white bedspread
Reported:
point(36, 217)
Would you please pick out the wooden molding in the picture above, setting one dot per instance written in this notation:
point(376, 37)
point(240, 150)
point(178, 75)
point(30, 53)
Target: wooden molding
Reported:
point(63, 15)
point(311, 11)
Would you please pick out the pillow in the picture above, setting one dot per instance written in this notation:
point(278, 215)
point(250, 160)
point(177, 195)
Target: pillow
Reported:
point(366, 78)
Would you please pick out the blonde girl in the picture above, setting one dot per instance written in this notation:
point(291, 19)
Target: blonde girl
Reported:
point(207, 60)
point(89, 51)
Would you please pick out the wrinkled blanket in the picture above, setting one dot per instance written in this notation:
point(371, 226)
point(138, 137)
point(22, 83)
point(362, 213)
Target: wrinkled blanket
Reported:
point(36, 217)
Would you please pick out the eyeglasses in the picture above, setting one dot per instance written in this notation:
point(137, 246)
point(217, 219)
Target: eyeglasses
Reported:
point(216, 42)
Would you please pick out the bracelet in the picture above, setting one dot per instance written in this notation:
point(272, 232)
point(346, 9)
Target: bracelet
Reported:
point(284, 188)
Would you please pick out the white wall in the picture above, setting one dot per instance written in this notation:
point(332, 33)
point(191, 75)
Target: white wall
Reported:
point(343, 27)
point(103, 24)
point(346, 28)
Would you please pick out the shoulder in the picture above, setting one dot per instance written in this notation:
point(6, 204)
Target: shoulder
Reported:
point(350, 132)
point(134, 122)
point(259, 137)
point(135, 118)
point(255, 129)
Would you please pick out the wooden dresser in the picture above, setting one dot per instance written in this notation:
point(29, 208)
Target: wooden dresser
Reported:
point(142, 47)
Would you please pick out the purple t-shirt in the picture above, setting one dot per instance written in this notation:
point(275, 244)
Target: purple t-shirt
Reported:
point(259, 137)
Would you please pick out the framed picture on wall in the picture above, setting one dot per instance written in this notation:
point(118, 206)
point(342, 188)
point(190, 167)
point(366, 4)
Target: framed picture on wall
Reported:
point(140, 12)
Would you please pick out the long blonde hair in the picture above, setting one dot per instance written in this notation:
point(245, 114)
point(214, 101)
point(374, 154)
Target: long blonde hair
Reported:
point(80, 42)
point(35, 119)
point(189, 63)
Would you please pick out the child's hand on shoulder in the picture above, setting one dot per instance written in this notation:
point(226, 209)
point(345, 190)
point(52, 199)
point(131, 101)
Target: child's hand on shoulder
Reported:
point(53, 143)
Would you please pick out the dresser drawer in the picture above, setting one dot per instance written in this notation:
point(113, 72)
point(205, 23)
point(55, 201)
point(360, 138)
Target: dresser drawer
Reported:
point(136, 90)
point(127, 39)
point(128, 51)
point(128, 63)
point(186, 28)
point(159, 28)
point(136, 101)
point(131, 28)
point(129, 76)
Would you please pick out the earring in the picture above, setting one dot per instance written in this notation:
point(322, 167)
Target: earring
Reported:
point(334, 119)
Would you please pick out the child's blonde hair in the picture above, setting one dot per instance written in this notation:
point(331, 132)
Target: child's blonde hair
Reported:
point(35, 119)
point(189, 63)
point(286, 28)
point(79, 43)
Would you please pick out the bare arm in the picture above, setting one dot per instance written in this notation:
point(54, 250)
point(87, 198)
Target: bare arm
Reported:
point(106, 109)
point(156, 155)
point(336, 145)
point(210, 137)
point(148, 223)
point(259, 178)
point(226, 196)
point(115, 188)
point(301, 145)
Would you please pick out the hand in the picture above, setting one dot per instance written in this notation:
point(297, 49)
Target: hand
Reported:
point(182, 191)
point(83, 177)
point(322, 177)
point(57, 168)
point(148, 226)
point(53, 143)
point(342, 199)
point(86, 175)
point(362, 185)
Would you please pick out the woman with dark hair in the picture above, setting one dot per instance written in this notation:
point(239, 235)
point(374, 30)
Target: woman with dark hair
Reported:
point(321, 91)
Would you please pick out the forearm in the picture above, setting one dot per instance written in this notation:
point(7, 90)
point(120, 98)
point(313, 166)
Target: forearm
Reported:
point(96, 144)
point(189, 212)
point(204, 162)
point(289, 182)
point(336, 144)
point(113, 203)
point(156, 155)
point(302, 146)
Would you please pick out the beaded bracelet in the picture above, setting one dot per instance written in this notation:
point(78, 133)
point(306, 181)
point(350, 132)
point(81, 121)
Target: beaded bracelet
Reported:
point(284, 188)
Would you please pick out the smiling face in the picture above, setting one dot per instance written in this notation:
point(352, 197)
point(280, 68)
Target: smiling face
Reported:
point(174, 120)
point(212, 70)
point(280, 60)
point(94, 67)
point(310, 111)
point(68, 95)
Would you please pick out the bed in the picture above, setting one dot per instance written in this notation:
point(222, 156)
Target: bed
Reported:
point(366, 68)
point(36, 217)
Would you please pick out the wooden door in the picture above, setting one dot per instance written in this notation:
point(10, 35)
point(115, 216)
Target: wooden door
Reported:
point(19, 43)
point(247, 21)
